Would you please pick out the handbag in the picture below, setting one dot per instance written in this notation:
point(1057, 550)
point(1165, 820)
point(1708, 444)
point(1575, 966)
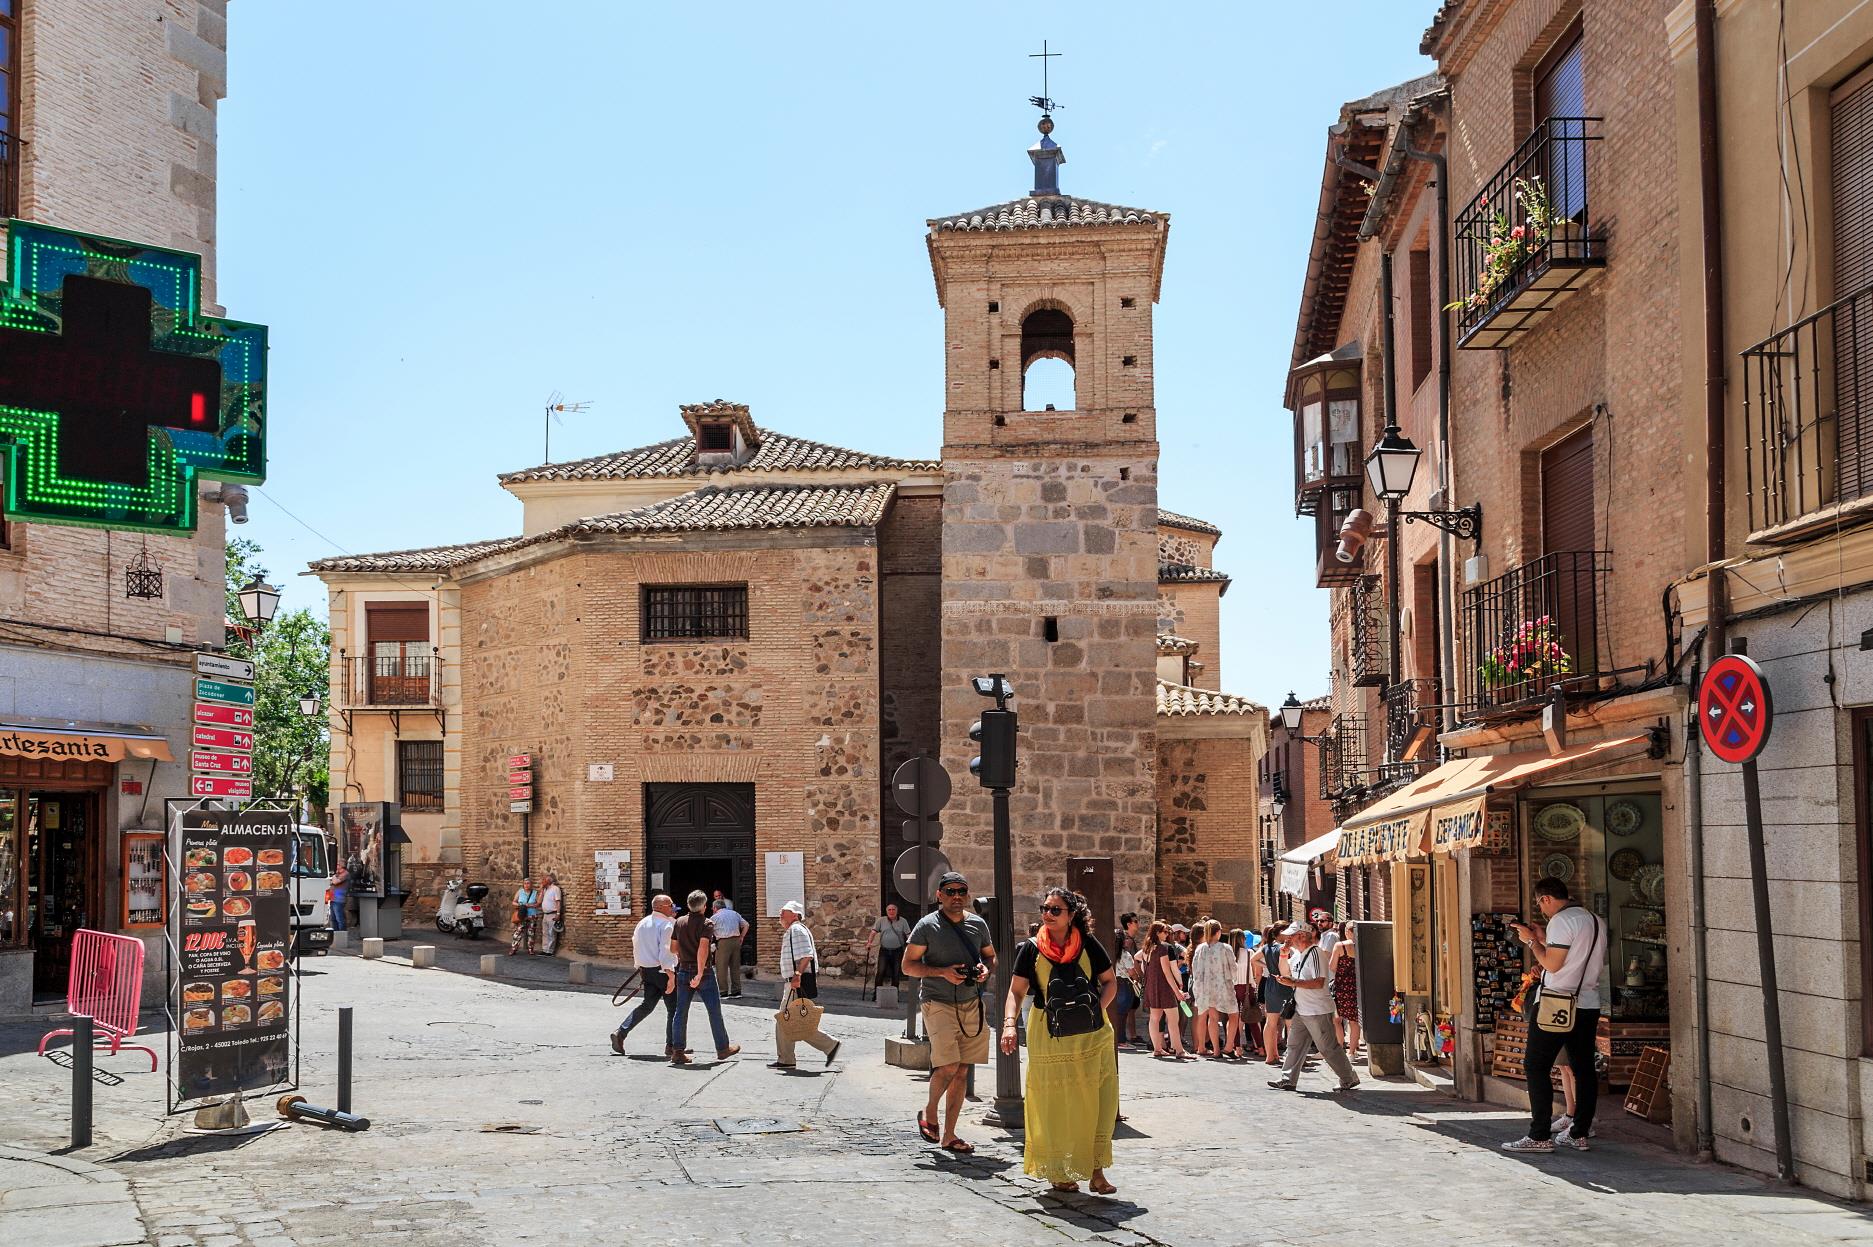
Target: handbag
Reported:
point(1069, 1001)
point(797, 1018)
point(1554, 1011)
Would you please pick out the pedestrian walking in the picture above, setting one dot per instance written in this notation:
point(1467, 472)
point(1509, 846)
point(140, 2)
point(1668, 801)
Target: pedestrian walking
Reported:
point(1571, 952)
point(1164, 991)
point(1274, 993)
point(1213, 993)
point(526, 918)
point(950, 952)
point(1128, 945)
point(1124, 999)
point(889, 933)
point(1312, 1024)
point(799, 974)
point(1072, 1099)
point(1346, 992)
point(340, 886)
point(728, 928)
point(695, 980)
point(552, 914)
point(656, 973)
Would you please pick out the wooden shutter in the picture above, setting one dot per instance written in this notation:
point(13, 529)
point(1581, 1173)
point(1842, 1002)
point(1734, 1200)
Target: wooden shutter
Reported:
point(1561, 91)
point(1565, 588)
point(396, 621)
point(1420, 294)
point(1851, 135)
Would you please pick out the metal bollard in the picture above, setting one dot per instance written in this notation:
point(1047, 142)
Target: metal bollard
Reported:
point(81, 1081)
point(295, 1108)
point(344, 1058)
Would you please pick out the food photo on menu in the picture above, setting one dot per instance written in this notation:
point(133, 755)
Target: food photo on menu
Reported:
point(196, 859)
point(239, 880)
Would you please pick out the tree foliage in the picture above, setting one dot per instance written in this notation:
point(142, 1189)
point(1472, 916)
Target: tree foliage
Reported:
point(292, 657)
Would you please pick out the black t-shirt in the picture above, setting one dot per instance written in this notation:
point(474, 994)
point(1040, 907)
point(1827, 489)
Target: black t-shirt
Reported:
point(1026, 954)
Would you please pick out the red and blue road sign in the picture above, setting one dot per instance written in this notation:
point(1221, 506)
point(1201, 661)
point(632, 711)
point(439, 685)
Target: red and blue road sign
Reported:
point(1734, 709)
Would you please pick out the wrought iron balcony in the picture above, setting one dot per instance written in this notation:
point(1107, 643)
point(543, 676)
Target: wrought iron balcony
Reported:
point(398, 681)
point(1533, 628)
point(1808, 415)
point(1528, 239)
point(1410, 729)
point(1367, 656)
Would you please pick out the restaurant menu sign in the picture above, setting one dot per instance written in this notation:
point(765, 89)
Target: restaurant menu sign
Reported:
point(233, 928)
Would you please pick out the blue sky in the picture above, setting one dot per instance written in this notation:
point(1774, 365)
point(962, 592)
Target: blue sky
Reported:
point(446, 212)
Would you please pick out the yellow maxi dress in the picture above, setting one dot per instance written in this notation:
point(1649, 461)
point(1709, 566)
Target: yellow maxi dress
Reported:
point(1072, 1094)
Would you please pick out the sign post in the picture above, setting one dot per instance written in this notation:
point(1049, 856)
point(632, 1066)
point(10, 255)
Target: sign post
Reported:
point(920, 787)
point(520, 801)
point(1734, 713)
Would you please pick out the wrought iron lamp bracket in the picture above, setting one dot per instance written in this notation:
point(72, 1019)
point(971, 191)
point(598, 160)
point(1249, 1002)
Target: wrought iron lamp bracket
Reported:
point(1465, 523)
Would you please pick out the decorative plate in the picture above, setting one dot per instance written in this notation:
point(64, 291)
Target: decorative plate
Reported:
point(1624, 863)
point(1559, 822)
point(1649, 883)
point(1624, 817)
point(1558, 866)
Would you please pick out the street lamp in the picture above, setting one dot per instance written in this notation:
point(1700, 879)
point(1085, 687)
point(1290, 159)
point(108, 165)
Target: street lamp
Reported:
point(258, 602)
point(309, 703)
point(1291, 712)
point(1390, 468)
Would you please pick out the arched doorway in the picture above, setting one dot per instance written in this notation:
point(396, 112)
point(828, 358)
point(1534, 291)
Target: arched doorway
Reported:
point(701, 836)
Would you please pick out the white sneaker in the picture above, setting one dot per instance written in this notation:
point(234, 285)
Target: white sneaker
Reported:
point(1568, 1140)
point(1526, 1144)
point(1561, 1124)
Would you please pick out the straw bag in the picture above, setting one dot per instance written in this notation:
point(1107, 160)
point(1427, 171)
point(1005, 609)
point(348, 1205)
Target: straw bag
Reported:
point(797, 1018)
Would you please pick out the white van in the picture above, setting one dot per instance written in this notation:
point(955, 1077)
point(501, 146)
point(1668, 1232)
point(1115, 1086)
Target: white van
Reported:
point(312, 891)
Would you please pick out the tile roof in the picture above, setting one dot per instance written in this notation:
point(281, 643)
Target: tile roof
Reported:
point(1185, 573)
point(677, 457)
point(1051, 211)
point(1171, 643)
point(1171, 519)
point(1182, 700)
point(428, 558)
point(715, 508)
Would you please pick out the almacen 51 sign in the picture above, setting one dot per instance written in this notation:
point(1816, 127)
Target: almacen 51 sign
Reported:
point(115, 388)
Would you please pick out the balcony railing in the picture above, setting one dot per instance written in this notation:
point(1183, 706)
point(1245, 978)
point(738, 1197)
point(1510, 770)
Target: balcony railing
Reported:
point(1808, 414)
point(1368, 662)
point(1410, 729)
point(10, 145)
point(1527, 240)
point(393, 680)
point(1533, 628)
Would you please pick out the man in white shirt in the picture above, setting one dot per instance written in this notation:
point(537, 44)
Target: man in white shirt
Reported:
point(552, 915)
point(656, 969)
point(1312, 1024)
point(1571, 953)
point(728, 928)
point(799, 973)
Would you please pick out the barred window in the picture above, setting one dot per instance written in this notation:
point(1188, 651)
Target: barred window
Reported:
point(419, 774)
point(695, 612)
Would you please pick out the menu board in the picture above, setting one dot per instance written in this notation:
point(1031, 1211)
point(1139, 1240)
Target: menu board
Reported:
point(233, 975)
point(612, 875)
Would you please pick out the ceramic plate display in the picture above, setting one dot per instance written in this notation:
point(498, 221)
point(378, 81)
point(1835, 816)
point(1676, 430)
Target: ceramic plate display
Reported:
point(1624, 863)
point(1649, 883)
point(1624, 817)
point(1558, 866)
point(1559, 821)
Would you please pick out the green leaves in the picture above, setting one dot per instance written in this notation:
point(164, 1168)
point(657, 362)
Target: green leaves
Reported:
point(292, 657)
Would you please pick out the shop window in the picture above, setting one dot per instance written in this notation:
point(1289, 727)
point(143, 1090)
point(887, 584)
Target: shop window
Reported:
point(419, 775)
point(12, 875)
point(695, 612)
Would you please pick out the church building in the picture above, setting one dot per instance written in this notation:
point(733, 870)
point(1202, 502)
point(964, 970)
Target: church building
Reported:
point(715, 649)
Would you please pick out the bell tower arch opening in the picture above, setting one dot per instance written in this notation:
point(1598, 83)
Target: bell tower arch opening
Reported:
point(1048, 380)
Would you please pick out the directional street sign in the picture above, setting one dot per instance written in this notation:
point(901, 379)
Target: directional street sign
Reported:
point(225, 668)
point(1734, 709)
point(222, 738)
point(520, 792)
point(226, 716)
point(221, 691)
point(219, 786)
point(221, 763)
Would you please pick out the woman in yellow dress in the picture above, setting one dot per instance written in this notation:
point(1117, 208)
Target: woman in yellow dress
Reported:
point(1073, 1072)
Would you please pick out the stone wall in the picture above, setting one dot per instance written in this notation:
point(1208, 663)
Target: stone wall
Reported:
point(1208, 820)
point(910, 555)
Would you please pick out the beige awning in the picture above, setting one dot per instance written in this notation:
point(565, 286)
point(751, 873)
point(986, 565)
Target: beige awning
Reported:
point(1444, 809)
point(73, 741)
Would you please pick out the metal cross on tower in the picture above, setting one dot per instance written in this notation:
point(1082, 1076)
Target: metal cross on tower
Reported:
point(1043, 101)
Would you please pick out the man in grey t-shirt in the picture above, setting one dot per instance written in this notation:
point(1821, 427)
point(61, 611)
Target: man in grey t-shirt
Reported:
point(951, 952)
point(890, 933)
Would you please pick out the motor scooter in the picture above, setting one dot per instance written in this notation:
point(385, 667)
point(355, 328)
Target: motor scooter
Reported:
point(460, 909)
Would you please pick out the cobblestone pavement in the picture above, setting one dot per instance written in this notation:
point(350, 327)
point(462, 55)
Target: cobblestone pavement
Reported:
point(499, 1115)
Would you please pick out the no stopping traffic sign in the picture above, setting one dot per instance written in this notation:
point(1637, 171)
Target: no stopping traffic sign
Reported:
point(1734, 709)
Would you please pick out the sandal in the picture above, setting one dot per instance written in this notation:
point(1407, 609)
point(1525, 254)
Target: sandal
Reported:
point(1101, 1186)
point(959, 1147)
point(924, 1128)
point(1066, 1188)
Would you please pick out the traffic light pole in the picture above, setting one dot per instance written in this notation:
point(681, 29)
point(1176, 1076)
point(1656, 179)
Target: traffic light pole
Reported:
point(1007, 1111)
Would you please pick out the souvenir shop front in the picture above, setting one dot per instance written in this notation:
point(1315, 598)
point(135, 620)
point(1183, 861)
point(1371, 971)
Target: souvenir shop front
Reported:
point(1467, 842)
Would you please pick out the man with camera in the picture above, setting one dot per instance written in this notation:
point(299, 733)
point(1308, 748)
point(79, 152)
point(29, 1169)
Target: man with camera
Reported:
point(951, 950)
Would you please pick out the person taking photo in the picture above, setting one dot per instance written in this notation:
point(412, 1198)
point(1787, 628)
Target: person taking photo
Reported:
point(950, 953)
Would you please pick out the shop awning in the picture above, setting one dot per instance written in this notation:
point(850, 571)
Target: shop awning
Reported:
point(1443, 810)
point(71, 740)
point(1294, 862)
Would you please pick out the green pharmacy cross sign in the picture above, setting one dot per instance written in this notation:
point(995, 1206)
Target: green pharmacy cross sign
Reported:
point(115, 389)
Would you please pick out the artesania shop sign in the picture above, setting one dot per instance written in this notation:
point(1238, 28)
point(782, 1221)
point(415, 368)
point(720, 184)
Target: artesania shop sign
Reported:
point(115, 388)
point(232, 984)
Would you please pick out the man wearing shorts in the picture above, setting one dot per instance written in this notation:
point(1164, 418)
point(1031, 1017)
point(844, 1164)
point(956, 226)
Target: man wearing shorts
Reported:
point(951, 952)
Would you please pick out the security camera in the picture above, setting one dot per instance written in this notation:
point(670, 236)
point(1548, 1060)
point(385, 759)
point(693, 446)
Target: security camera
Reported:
point(233, 497)
point(1353, 535)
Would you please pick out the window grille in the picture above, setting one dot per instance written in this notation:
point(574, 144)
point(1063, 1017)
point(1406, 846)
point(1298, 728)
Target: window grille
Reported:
point(695, 612)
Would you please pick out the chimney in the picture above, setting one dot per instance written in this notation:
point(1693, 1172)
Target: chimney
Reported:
point(1047, 156)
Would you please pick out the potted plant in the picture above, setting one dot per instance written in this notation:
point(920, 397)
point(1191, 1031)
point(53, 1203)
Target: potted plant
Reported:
point(1513, 237)
point(1532, 655)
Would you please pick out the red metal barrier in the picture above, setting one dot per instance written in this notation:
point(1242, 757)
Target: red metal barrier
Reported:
point(107, 985)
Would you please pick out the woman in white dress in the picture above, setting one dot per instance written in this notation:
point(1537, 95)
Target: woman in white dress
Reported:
point(1213, 993)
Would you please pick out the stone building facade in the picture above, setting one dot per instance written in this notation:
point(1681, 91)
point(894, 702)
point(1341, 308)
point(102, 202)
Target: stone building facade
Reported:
point(718, 648)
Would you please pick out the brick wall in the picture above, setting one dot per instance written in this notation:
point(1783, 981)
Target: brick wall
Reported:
point(1208, 818)
point(1195, 611)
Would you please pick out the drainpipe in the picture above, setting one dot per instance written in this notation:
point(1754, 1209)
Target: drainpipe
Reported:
point(1391, 528)
point(1710, 186)
point(1446, 543)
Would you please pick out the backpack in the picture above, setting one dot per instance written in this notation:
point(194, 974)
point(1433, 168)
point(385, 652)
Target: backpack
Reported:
point(1069, 998)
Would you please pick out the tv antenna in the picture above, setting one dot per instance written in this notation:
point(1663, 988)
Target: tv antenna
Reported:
point(1044, 101)
point(556, 406)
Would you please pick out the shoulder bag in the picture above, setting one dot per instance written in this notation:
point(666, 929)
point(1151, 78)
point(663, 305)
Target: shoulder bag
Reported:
point(808, 971)
point(1554, 1010)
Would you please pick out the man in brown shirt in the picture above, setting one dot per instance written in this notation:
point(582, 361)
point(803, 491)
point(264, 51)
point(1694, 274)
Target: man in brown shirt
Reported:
point(695, 977)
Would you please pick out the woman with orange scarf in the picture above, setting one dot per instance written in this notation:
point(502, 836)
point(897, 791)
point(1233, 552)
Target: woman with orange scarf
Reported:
point(1073, 1072)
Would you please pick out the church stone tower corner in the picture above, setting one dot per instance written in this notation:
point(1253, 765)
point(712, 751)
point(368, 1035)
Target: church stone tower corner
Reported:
point(1050, 563)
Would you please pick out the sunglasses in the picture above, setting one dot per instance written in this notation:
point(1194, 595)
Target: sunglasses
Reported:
point(1054, 909)
point(954, 891)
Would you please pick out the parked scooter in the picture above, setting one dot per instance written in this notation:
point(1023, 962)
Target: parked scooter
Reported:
point(460, 910)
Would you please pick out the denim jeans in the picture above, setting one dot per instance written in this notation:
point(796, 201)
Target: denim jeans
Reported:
point(711, 998)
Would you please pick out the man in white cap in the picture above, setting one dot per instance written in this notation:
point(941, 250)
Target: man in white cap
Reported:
point(1312, 1025)
point(799, 971)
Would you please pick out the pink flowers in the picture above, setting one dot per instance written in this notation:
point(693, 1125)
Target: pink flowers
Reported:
point(1518, 232)
point(1533, 653)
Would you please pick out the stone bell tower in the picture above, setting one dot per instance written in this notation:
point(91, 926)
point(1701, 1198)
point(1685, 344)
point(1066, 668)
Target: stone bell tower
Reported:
point(1050, 565)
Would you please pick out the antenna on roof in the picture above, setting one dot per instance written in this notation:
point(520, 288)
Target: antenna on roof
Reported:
point(556, 404)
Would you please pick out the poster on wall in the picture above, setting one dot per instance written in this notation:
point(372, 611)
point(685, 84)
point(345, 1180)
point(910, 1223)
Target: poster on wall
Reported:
point(612, 879)
point(786, 880)
point(361, 845)
point(232, 974)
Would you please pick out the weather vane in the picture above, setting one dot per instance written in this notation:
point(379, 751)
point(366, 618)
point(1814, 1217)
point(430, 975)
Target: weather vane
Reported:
point(1045, 102)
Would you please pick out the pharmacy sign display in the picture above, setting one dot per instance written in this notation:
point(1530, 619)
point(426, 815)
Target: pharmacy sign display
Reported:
point(116, 389)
